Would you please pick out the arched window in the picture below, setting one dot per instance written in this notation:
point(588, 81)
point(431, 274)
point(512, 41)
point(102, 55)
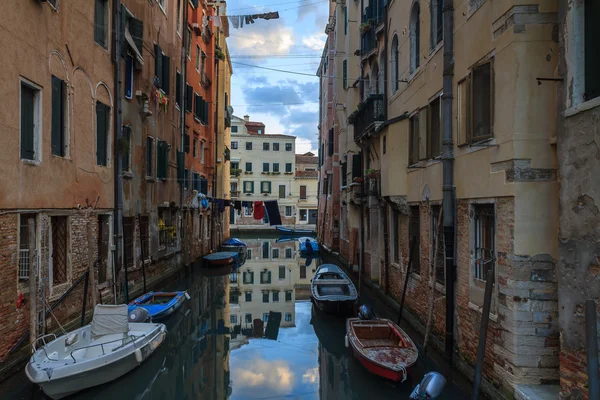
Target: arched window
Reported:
point(415, 33)
point(394, 64)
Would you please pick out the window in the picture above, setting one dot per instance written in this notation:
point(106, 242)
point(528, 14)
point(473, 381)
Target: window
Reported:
point(288, 167)
point(31, 133)
point(186, 143)
point(189, 97)
point(167, 227)
point(203, 71)
point(345, 73)
point(59, 117)
point(248, 145)
point(463, 111)
point(395, 84)
point(188, 44)
point(344, 174)
point(162, 68)
point(102, 128)
point(303, 215)
point(288, 253)
point(248, 277)
point(275, 146)
point(248, 297)
point(266, 146)
point(592, 58)
point(162, 159)
point(24, 250)
point(234, 145)
point(101, 23)
point(324, 187)
point(415, 33)
point(275, 167)
point(436, 22)
point(356, 166)
point(302, 192)
point(265, 249)
point(440, 265)
point(330, 142)
point(202, 152)
point(265, 187)
point(303, 272)
point(179, 16)
point(414, 233)
point(275, 253)
point(233, 277)
point(126, 152)
point(484, 240)
point(59, 245)
point(275, 297)
point(475, 105)
point(234, 129)
point(198, 53)
point(395, 228)
point(259, 131)
point(384, 144)
point(281, 272)
point(282, 191)
point(233, 319)
point(234, 297)
point(266, 316)
point(248, 188)
point(265, 298)
point(195, 148)
point(248, 318)
point(129, 77)
point(198, 107)
point(435, 129)
point(186, 178)
point(414, 145)
point(288, 147)
point(248, 167)
point(288, 317)
point(288, 211)
point(249, 252)
point(149, 156)
point(288, 295)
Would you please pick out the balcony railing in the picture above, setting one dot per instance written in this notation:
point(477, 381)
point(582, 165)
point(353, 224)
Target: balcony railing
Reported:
point(235, 194)
point(368, 42)
point(369, 115)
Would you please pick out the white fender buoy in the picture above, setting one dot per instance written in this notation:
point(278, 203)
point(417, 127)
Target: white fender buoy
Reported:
point(138, 356)
point(346, 341)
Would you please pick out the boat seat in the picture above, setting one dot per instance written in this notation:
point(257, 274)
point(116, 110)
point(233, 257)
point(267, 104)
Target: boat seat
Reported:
point(381, 343)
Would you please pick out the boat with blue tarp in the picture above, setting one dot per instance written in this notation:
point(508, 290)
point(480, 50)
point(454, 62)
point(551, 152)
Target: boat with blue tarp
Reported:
point(159, 304)
point(294, 231)
point(233, 244)
point(308, 245)
point(220, 263)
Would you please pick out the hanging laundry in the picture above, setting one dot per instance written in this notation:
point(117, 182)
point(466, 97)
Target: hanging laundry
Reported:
point(237, 205)
point(259, 210)
point(235, 21)
point(249, 19)
point(266, 16)
point(216, 20)
point(221, 205)
point(273, 212)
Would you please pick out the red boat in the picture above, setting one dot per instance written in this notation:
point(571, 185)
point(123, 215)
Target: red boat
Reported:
point(381, 347)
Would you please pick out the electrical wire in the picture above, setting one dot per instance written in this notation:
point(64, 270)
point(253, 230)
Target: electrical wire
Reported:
point(267, 5)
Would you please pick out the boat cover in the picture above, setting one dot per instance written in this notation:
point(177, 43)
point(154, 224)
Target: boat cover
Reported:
point(234, 242)
point(110, 319)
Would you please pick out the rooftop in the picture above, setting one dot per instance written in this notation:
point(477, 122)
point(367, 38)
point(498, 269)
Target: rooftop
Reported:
point(307, 158)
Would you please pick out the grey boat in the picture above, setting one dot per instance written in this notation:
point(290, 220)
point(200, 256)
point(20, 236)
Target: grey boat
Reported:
point(332, 291)
point(95, 354)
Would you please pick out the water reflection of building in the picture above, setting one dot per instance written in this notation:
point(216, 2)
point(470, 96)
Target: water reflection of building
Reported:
point(272, 279)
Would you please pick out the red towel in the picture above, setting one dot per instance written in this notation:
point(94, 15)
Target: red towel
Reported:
point(259, 210)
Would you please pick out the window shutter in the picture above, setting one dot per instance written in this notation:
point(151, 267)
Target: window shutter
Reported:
point(303, 192)
point(126, 131)
point(188, 98)
point(206, 113)
point(158, 64)
point(196, 106)
point(166, 74)
point(99, 22)
point(345, 73)
point(101, 112)
point(136, 28)
point(423, 134)
point(269, 186)
point(204, 186)
point(58, 91)
point(252, 277)
point(356, 165)
point(180, 167)
point(252, 187)
point(269, 277)
point(178, 89)
point(330, 142)
point(186, 143)
point(27, 124)
point(149, 156)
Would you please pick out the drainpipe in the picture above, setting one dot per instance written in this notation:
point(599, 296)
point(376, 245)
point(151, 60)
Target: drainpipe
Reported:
point(448, 189)
point(118, 162)
point(385, 63)
point(182, 121)
point(361, 262)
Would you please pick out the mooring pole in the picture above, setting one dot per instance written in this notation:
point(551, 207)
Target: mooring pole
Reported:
point(410, 258)
point(142, 252)
point(85, 294)
point(485, 319)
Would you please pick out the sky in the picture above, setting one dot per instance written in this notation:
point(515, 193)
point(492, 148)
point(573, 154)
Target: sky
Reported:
point(286, 103)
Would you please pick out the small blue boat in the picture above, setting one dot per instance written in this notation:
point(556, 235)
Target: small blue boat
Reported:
point(284, 239)
point(293, 231)
point(308, 245)
point(237, 245)
point(159, 304)
point(220, 264)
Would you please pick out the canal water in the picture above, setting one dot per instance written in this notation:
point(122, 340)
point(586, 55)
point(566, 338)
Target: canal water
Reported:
point(210, 353)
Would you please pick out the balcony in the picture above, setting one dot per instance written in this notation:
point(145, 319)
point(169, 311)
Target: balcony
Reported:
point(235, 194)
point(369, 115)
point(368, 43)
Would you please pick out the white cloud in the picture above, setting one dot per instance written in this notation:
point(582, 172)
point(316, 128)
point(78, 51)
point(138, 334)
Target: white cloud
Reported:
point(315, 41)
point(304, 146)
point(311, 375)
point(275, 375)
point(274, 40)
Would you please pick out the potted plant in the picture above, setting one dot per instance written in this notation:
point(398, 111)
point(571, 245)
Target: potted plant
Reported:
point(358, 179)
point(219, 55)
point(365, 26)
point(371, 173)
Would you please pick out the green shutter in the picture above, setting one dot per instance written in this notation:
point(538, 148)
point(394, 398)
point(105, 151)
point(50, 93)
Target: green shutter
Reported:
point(345, 20)
point(206, 112)
point(158, 64)
point(252, 187)
point(189, 93)
point(186, 143)
point(58, 113)
point(136, 28)
point(149, 156)
point(166, 74)
point(269, 277)
point(27, 124)
point(99, 36)
point(356, 166)
point(180, 167)
point(269, 184)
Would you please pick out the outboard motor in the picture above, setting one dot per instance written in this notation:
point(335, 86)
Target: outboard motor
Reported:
point(365, 313)
point(140, 314)
point(430, 387)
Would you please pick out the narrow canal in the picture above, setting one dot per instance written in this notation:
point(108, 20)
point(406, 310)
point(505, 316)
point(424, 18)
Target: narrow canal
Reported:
point(210, 353)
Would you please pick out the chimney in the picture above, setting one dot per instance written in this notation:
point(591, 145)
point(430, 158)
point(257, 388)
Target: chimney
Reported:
point(246, 118)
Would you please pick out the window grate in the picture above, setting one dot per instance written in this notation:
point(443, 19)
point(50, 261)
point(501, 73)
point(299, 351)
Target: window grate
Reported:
point(484, 240)
point(24, 267)
point(59, 250)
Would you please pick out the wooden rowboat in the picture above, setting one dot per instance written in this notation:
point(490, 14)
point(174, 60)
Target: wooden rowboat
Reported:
point(381, 347)
point(332, 291)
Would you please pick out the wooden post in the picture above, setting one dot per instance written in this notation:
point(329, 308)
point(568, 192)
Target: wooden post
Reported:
point(33, 275)
point(91, 262)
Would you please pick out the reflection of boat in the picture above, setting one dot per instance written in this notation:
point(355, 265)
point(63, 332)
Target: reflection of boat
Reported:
point(381, 347)
point(159, 304)
point(332, 291)
point(308, 245)
point(220, 263)
point(294, 231)
point(329, 331)
point(100, 352)
point(238, 246)
point(283, 239)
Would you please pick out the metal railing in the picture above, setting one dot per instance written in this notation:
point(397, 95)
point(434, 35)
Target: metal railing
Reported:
point(368, 42)
point(370, 112)
point(23, 264)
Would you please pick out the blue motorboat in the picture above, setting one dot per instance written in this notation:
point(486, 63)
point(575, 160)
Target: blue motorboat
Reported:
point(308, 245)
point(159, 304)
point(220, 263)
point(238, 246)
point(294, 231)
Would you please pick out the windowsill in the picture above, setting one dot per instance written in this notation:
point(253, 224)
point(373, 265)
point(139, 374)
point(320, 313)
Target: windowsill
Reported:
point(439, 287)
point(127, 175)
point(65, 157)
point(415, 276)
point(581, 107)
point(475, 307)
point(150, 179)
point(31, 162)
point(436, 48)
point(423, 164)
point(395, 265)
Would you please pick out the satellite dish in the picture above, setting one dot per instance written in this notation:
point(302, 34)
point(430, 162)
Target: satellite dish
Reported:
point(425, 194)
point(230, 110)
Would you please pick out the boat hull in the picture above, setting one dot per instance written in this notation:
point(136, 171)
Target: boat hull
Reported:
point(290, 231)
point(67, 385)
point(343, 308)
point(156, 311)
point(396, 376)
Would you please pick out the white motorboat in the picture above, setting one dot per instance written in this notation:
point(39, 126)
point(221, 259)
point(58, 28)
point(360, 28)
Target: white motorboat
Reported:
point(95, 354)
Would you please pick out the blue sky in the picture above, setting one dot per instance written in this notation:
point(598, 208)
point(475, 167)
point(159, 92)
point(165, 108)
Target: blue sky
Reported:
point(286, 103)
